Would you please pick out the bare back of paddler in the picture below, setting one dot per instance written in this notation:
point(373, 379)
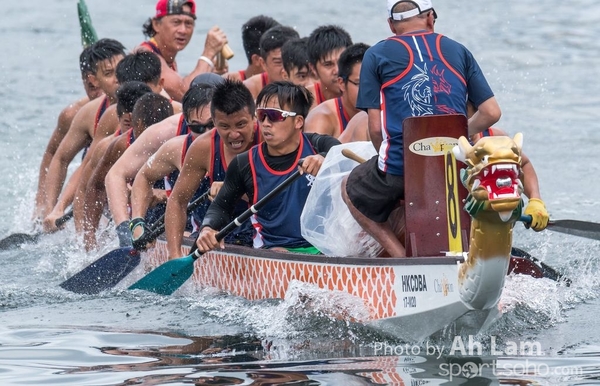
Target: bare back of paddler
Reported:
point(65, 118)
point(170, 31)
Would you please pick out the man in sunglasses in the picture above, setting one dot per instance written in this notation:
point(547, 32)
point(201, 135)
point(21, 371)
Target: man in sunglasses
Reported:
point(207, 163)
point(126, 168)
point(282, 108)
point(167, 162)
point(414, 73)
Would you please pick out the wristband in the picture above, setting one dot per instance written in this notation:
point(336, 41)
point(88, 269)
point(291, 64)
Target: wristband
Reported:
point(135, 222)
point(207, 60)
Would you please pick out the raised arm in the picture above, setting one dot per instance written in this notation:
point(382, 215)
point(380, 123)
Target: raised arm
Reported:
point(175, 84)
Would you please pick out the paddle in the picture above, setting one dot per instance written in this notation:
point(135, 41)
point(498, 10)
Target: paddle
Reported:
point(110, 269)
point(588, 230)
point(88, 33)
point(169, 276)
point(17, 239)
point(544, 269)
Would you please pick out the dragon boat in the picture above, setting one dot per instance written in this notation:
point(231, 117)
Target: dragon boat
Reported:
point(458, 236)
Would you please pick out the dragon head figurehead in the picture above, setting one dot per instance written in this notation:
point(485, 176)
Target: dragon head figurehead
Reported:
point(493, 175)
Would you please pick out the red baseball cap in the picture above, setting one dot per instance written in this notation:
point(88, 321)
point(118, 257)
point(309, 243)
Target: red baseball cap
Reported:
point(175, 7)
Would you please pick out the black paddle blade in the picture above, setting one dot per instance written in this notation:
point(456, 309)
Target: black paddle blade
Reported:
point(104, 273)
point(537, 267)
point(17, 239)
point(589, 230)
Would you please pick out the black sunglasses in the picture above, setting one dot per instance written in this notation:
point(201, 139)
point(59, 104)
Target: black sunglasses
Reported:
point(200, 128)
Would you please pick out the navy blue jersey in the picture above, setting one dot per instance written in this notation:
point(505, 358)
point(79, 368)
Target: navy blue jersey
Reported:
point(417, 74)
point(278, 223)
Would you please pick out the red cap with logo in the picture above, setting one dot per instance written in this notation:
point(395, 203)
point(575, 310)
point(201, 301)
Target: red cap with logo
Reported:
point(175, 7)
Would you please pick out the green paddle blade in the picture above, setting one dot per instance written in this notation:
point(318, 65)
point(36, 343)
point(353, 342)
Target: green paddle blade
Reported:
point(88, 33)
point(168, 277)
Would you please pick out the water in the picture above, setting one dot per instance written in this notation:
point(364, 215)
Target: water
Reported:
point(541, 60)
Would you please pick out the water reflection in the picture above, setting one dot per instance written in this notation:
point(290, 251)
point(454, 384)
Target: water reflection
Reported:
point(76, 357)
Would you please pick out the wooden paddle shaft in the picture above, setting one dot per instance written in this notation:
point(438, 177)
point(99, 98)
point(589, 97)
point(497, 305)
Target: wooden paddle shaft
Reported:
point(227, 52)
point(353, 156)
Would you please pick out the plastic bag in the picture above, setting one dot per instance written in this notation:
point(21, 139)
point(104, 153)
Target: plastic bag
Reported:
point(326, 220)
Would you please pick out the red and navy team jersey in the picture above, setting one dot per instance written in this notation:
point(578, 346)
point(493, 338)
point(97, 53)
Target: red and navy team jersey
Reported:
point(342, 115)
point(278, 222)
point(101, 110)
point(152, 46)
point(319, 97)
point(264, 78)
point(417, 74)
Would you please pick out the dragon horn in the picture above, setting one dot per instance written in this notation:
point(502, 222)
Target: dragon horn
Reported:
point(462, 149)
point(519, 141)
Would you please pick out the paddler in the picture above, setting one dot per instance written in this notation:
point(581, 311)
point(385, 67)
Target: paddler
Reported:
point(332, 116)
point(105, 55)
point(270, 57)
point(414, 73)
point(169, 32)
point(232, 111)
point(65, 118)
point(281, 110)
point(325, 45)
point(167, 162)
point(151, 109)
point(252, 30)
point(139, 152)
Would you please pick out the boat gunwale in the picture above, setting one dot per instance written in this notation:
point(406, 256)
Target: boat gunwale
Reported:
point(322, 259)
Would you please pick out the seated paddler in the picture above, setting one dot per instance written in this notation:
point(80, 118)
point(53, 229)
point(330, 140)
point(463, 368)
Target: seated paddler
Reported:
point(281, 110)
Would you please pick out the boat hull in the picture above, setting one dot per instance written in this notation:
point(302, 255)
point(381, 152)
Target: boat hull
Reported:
point(408, 298)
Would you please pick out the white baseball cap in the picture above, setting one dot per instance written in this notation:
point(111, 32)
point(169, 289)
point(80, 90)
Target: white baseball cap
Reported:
point(422, 6)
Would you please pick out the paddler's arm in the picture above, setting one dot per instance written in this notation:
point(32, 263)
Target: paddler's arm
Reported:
point(487, 114)
point(375, 127)
point(95, 188)
point(175, 84)
point(62, 127)
point(238, 182)
point(190, 177)
point(75, 140)
point(159, 165)
point(321, 143)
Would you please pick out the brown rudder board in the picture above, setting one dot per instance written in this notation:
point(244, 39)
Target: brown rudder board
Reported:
point(429, 194)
